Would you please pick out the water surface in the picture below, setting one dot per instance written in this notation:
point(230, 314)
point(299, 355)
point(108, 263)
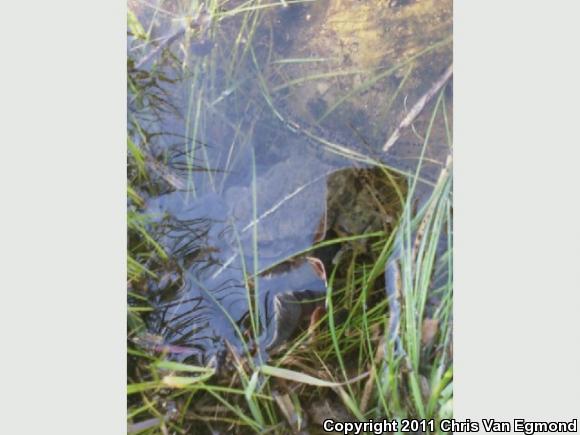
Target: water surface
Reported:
point(243, 112)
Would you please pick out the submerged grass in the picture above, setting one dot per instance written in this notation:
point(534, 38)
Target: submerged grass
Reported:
point(352, 365)
point(382, 348)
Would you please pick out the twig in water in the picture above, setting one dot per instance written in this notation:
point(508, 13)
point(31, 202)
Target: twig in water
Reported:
point(201, 20)
point(166, 43)
point(165, 173)
point(418, 107)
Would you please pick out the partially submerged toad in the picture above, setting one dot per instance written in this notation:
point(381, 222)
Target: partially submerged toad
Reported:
point(246, 281)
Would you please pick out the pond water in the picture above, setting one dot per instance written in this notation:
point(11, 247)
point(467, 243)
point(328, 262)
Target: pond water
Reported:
point(260, 128)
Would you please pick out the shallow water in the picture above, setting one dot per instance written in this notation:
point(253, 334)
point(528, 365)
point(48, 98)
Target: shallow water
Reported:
point(243, 115)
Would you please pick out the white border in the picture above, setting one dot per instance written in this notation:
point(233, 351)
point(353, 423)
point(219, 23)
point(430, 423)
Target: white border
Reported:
point(517, 152)
point(62, 224)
